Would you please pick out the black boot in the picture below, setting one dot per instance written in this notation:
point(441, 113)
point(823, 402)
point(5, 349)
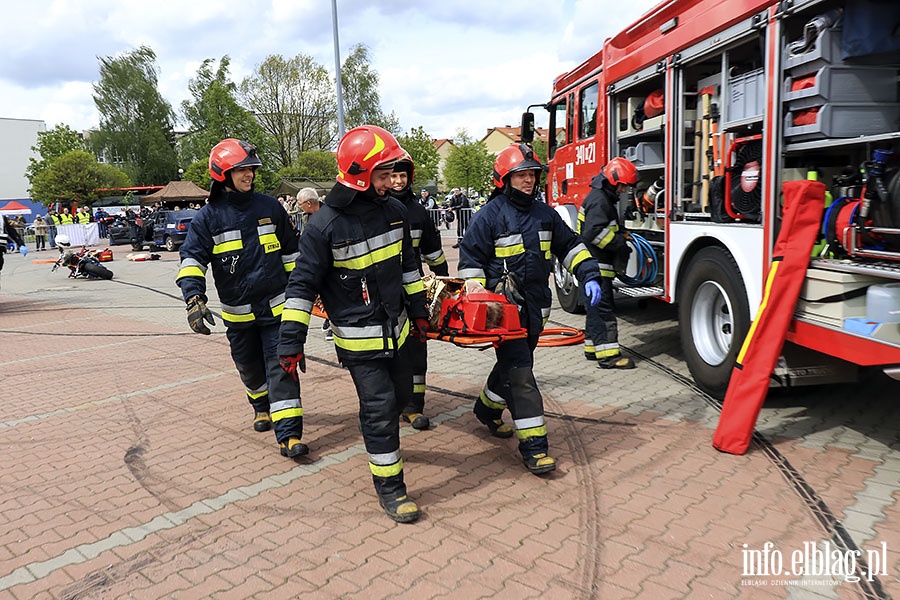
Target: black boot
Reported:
point(492, 418)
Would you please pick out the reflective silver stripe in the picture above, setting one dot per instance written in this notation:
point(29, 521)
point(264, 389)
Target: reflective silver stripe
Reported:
point(529, 423)
point(418, 379)
point(284, 404)
point(606, 267)
point(243, 309)
point(588, 342)
point(366, 246)
point(545, 236)
point(493, 397)
point(299, 304)
point(415, 233)
point(259, 390)
point(386, 459)
point(545, 312)
point(289, 258)
point(433, 255)
point(401, 323)
point(264, 229)
point(602, 347)
point(228, 236)
point(369, 331)
point(279, 299)
point(411, 277)
point(190, 262)
point(567, 261)
point(474, 273)
point(509, 240)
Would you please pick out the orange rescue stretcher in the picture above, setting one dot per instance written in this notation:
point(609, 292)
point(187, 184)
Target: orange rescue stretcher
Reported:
point(472, 317)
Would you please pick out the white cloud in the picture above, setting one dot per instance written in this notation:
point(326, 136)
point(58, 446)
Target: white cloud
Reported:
point(470, 64)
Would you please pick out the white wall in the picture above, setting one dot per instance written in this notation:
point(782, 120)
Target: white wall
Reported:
point(18, 136)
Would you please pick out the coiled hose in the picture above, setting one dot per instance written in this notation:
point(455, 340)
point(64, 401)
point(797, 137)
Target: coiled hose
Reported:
point(648, 265)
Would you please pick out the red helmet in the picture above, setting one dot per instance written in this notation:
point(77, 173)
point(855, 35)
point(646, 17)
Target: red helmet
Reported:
point(620, 170)
point(515, 157)
point(231, 153)
point(362, 150)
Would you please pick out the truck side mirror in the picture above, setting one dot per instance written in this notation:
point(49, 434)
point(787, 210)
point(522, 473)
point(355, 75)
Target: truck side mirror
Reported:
point(527, 131)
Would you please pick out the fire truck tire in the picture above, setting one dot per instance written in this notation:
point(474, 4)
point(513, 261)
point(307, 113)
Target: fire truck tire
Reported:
point(566, 289)
point(714, 317)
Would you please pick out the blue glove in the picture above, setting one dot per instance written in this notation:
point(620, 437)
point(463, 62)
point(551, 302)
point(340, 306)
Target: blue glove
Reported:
point(593, 292)
point(23, 250)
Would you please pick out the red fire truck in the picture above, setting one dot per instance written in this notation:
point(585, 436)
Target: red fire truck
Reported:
point(718, 103)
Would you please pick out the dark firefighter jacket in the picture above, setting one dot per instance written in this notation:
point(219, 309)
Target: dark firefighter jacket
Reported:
point(426, 239)
point(598, 225)
point(523, 240)
point(356, 254)
point(252, 247)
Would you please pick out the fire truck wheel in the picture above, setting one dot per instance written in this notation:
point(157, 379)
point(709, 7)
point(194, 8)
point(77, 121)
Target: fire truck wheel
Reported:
point(714, 317)
point(566, 289)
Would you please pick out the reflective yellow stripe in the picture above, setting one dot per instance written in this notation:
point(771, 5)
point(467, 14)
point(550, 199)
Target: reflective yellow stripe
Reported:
point(270, 243)
point(762, 306)
point(295, 315)
point(228, 247)
point(190, 272)
point(374, 257)
point(288, 413)
point(507, 251)
point(388, 470)
point(244, 318)
point(524, 434)
point(414, 288)
point(490, 403)
point(363, 344)
point(257, 395)
point(418, 388)
point(288, 267)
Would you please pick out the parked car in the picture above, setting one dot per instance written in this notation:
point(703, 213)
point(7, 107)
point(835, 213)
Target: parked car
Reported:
point(165, 229)
point(120, 231)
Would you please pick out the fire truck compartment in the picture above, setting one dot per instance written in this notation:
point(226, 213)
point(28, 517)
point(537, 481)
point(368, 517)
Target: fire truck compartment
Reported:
point(841, 120)
point(822, 296)
point(833, 83)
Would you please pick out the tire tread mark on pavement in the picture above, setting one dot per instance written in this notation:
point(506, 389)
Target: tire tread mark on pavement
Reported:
point(822, 514)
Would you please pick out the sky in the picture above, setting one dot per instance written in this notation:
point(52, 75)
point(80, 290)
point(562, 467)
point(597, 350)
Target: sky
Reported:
point(444, 65)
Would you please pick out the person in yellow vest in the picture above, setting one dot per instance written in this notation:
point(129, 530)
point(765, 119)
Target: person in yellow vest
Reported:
point(83, 217)
point(65, 218)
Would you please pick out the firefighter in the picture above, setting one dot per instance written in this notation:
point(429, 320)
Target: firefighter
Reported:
point(508, 247)
point(358, 257)
point(426, 241)
point(248, 238)
point(601, 232)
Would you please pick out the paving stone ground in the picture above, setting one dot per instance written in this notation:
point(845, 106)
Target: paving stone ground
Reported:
point(128, 469)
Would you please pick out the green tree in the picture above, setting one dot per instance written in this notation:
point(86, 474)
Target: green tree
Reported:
point(76, 175)
point(294, 103)
point(136, 122)
point(469, 164)
point(424, 155)
point(316, 165)
point(51, 145)
point(214, 114)
point(362, 102)
point(198, 173)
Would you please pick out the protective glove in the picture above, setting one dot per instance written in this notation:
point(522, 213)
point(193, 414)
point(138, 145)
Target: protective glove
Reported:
point(197, 313)
point(593, 292)
point(420, 329)
point(23, 250)
point(291, 364)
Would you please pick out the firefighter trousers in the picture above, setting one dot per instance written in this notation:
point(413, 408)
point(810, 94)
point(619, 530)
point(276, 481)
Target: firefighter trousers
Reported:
point(416, 352)
point(511, 385)
point(380, 384)
point(270, 389)
point(601, 340)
